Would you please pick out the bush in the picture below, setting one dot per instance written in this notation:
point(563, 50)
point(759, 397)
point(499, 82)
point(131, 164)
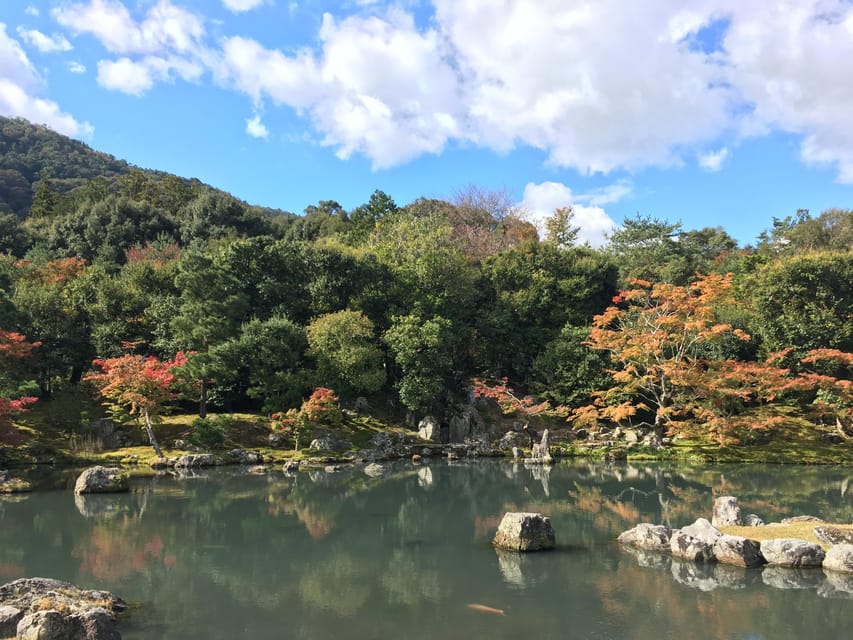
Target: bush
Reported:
point(210, 432)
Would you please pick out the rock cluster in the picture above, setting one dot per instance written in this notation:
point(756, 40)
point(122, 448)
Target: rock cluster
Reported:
point(45, 609)
point(701, 542)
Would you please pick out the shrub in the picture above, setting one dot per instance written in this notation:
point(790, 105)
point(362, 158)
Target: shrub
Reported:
point(210, 432)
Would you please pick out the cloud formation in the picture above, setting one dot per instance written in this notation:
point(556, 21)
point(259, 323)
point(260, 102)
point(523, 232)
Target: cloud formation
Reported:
point(256, 128)
point(20, 85)
point(45, 44)
point(241, 6)
point(541, 200)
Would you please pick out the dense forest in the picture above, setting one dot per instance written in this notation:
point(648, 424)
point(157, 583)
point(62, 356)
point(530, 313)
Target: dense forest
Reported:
point(416, 303)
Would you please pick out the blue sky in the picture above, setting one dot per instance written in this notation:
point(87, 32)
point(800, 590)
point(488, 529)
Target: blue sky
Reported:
point(705, 111)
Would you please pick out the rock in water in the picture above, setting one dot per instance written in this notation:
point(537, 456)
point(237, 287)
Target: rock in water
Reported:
point(792, 552)
point(696, 542)
point(649, 537)
point(738, 551)
point(525, 532)
point(102, 480)
point(726, 512)
point(839, 558)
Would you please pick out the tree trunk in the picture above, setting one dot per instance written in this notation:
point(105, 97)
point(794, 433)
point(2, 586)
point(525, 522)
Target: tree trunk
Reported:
point(202, 400)
point(151, 438)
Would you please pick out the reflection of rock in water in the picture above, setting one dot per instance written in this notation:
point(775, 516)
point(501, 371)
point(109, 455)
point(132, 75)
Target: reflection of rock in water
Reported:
point(542, 473)
point(695, 575)
point(100, 505)
point(512, 567)
point(837, 585)
point(733, 577)
point(425, 477)
point(649, 559)
point(792, 577)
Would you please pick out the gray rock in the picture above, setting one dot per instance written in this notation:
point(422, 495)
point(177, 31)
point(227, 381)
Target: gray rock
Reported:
point(738, 551)
point(833, 535)
point(9, 618)
point(245, 456)
point(525, 532)
point(277, 439)
point(752, 520)
point(14, 485)
point(329, 443)
point(429, 429)
point(726, 512)
point(695, 542)
point(797, 519)
point(513, 439)
point(839, 558)
point(646, 536)
point(102, 480)
point(290, 466)
point(195, 460)
point(631, 436)
point(652, 441)
point(516, 453)
point(45, 625)
point(374, 470)
point(791, 552)
point(541, 453)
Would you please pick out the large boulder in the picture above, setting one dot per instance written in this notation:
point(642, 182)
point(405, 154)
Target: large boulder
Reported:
point(695, 542)
point(753, 520)
point(525, 532)
point(513, 439)
point(739, 551)
point(45, 609)
point(839, 558)
point(102, 480)
point(193, 460)
point(646, 536)
point(792, 552)
point(833, 535)
point(726, 512)
point(329, 443)
point(245, 456)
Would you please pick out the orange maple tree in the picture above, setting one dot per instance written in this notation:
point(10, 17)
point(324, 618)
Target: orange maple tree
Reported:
point(138, 385)
point(14, 349)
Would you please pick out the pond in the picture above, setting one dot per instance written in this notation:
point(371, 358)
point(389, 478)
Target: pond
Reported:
point(317, 555)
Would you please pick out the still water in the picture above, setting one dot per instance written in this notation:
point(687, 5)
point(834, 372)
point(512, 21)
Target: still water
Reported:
point(225, 554)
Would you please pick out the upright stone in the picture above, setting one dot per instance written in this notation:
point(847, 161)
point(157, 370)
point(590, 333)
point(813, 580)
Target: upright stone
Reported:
point(428, 429)
point(525, 532)
point(726, 512)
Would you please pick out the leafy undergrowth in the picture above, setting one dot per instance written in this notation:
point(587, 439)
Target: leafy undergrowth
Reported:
point(800, 530)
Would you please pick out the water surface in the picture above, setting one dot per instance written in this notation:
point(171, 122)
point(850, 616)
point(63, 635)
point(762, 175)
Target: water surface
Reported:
point(227, 554)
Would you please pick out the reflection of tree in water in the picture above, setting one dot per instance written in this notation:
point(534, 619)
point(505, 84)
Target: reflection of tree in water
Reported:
point(407, 583)
point(338, 584)
point(113, 551)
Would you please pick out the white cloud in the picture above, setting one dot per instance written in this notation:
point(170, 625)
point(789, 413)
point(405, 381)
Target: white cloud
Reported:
point(164, 27)
point(19, 85)
point(713, 160)
point(125, 75)
point(240, 6)
point(32, 11)
point(45, 44)
point(76, 67)
point(256, 128)
point(540, 201)
point(607, 195)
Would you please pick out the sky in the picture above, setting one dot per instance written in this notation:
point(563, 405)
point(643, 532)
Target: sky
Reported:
point(705, 112)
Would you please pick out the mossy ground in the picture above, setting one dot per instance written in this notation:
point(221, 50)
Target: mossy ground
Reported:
point(799, 530)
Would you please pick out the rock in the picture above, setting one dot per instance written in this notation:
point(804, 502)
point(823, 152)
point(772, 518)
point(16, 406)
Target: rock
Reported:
point(290, 466)
point(513, 439)
point(102, 480)
point(631, 437)
point(541, 453)
point(328, 443)
point(362, 405)
point(54, 610)
point(738, 551)
point(696, 542)
point(14, 485)
point(416, 458)
point(478, 449)
point(516, 453)
point(258, 469)
point(466, 424)
point(652, 441)
point(333, 468)
point(791, 552)
point(649, 537)
point(797, 519)
point(374, 470)
point(614, 455)
point(277, 439)
point(195, 460)
point(245, 456)
point(9, 618)
point(839, 558)
point(726, 512)
point(753, 520)
point(429, 429)
point(833, 535)
point(525, 532)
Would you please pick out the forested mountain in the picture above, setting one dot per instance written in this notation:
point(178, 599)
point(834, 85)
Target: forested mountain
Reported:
point(677, 328)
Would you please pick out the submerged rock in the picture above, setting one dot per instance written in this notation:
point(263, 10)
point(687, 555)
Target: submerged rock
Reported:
point(102, 480)
point(525, 532)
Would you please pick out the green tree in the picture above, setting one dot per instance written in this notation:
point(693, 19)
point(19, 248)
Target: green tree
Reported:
point(559, 229)
point(365, 217)
point(348, 357)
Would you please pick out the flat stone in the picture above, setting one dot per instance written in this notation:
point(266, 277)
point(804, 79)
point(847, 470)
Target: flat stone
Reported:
point(833, 535)
point(525, 532)
point(797, 519)
point(646, 536)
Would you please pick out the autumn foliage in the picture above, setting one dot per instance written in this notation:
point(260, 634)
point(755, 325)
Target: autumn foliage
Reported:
point(14, 349)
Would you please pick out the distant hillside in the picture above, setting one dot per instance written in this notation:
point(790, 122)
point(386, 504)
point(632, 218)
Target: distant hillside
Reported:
point(61, 195)
point(28, 151)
